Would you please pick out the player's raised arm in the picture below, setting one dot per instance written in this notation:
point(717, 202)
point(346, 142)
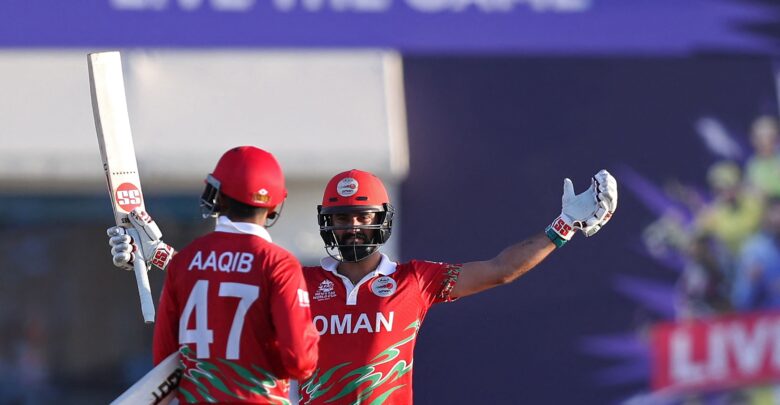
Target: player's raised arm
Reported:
point(586, 212)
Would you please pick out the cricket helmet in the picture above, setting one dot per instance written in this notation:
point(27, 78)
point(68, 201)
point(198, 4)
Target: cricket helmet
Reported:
point(248, 175)
point(355, 191)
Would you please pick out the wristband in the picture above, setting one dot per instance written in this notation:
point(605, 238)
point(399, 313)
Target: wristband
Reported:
point(162, 255)
point(559, 232)
point(554, 237)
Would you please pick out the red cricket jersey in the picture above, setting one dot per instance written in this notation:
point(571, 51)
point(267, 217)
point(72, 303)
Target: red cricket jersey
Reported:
point(236, 308)
point(368, 331)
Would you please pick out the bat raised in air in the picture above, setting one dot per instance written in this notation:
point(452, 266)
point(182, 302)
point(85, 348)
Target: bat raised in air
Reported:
point(109, 107)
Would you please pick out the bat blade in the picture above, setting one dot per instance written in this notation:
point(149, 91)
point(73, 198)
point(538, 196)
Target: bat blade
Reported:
point(156, 387)
point(115, 138)
point(112, 122)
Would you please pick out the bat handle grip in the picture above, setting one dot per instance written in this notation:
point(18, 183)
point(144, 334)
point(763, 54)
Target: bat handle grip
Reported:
point(142, 280)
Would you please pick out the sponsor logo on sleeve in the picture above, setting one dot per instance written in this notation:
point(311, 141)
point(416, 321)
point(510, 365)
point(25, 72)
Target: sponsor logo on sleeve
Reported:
point(303, 298)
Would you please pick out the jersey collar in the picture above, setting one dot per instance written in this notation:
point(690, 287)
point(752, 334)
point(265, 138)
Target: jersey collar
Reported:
point(226, 225)
point(385, 267)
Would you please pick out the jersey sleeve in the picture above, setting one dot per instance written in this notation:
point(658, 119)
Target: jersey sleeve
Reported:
point(436, 280)
point(166, 327)
point(291, 317)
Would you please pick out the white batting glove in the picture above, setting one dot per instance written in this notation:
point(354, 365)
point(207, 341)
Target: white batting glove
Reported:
point(122, 247)
point(587, 211)
point(153, 250)
point(607, 195)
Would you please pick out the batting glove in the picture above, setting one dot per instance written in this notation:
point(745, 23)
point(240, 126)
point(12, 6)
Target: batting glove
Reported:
point(587, 211)
point(607, 196)
point(154, 251)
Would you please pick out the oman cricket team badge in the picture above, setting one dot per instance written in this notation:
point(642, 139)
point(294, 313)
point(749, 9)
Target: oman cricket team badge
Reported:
point(383, 286)
point(347, 187)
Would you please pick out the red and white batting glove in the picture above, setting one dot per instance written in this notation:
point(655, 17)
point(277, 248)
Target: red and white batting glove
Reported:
point(587, 211)
point(153, 250)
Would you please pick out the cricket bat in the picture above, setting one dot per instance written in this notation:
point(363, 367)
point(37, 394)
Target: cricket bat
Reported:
point(157, 387)
point(109, 107)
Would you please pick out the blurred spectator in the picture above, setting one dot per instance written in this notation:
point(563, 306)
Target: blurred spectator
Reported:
point(757, 281)
point(703, 287)
point(763, 168)
point(734, 214)
point(25, 376)
point(668, 235)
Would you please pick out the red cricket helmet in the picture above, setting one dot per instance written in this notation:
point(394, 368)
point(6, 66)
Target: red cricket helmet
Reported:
point(248, 175)
point(355, 191)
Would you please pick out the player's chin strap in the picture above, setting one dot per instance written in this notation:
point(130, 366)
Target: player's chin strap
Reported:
point(154, 251)
point(588, 211)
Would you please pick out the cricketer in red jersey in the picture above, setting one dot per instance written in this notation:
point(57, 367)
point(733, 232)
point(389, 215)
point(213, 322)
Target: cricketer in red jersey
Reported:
point(368, 309)
point(234, 304)
point(368, 330)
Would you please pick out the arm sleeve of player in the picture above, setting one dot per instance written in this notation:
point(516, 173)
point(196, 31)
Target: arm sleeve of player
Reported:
point(292, 319)
point(166, 326)
point(436, 280)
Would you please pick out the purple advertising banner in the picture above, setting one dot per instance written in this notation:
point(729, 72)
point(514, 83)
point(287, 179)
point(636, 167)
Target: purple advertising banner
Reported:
point(504, 26)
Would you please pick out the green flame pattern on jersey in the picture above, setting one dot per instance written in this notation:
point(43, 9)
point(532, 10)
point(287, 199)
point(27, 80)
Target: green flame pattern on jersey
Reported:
point(207, 376)
point(319, 385)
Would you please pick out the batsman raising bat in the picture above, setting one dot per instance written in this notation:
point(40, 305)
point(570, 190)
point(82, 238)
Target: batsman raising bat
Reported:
point(234, 304)
point(368, 309)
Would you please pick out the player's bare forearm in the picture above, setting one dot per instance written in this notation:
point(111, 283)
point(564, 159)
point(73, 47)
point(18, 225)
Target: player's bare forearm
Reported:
point(510, 264)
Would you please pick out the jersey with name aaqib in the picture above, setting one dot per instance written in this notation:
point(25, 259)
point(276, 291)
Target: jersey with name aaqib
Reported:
point(236, 308)
point(368, 330)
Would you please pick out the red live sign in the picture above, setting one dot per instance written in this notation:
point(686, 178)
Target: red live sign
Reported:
point(714, 353)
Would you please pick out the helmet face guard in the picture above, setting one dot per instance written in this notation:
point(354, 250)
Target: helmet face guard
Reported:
point(355, 252)
point(355, 192)
point(208, 200)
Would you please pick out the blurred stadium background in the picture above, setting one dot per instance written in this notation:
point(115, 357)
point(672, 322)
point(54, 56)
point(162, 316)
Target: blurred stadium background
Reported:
point(473, 111)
